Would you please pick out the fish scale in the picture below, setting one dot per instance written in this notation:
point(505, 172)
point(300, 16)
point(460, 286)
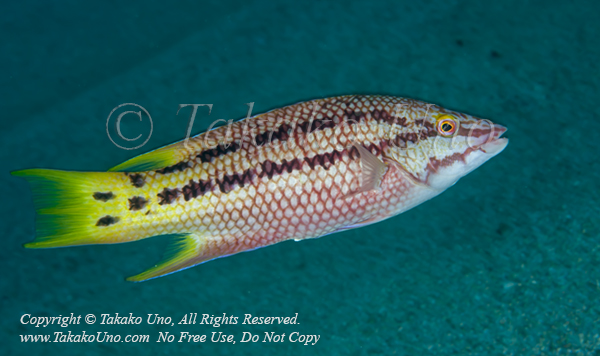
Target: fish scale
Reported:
point(301, 171)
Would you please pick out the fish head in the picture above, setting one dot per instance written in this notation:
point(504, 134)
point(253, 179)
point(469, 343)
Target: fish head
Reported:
point(445, 145)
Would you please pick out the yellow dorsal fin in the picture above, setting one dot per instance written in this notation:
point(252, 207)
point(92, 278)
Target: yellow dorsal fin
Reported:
point(153, 160)
point(186, 251)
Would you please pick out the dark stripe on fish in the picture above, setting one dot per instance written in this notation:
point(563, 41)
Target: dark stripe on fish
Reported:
point(220, 150)
point(267, 169)
point(230, 182)
point(286, 130)
point(181, 166)
point(270, 169)
point(103, 196)
point(107, 220)
point(195, 189)
point(402, 140)
point(435, 164)
point(283, 133)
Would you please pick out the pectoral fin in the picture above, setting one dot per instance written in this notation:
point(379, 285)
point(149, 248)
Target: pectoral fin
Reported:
point(373, 170)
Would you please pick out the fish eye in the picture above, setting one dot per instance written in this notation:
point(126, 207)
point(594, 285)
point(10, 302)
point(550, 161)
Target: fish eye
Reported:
point(446, 125)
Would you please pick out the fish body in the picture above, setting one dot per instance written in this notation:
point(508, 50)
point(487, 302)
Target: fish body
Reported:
point(297, 172)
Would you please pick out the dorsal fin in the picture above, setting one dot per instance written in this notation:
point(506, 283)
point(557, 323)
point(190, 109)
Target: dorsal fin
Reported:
point(153, 160)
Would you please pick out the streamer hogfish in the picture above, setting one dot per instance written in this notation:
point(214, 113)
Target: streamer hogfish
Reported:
point(297, 172)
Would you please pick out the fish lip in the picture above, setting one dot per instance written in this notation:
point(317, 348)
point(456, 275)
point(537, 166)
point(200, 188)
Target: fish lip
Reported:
point(498, 130)
point(495, 144)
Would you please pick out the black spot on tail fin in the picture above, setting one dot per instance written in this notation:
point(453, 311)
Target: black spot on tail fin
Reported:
point(103, 196)
point(107, 220)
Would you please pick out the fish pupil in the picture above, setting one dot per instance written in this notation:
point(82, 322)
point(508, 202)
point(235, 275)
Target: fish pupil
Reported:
point(446, 127)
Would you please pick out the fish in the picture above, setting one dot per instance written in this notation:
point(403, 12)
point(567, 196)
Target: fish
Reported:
point(297, 172)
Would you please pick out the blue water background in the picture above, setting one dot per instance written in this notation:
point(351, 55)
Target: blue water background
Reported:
point(504, 262)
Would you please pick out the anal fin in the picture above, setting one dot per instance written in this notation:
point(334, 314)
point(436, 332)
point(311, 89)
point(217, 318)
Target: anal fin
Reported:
point(366, 222)
point(186, 251)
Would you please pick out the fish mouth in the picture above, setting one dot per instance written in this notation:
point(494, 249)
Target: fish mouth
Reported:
point(488, 143)
point(495, 144)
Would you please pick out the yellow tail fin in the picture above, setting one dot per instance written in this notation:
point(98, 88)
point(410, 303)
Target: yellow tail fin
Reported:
point(76, 208)
point(81, 208)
